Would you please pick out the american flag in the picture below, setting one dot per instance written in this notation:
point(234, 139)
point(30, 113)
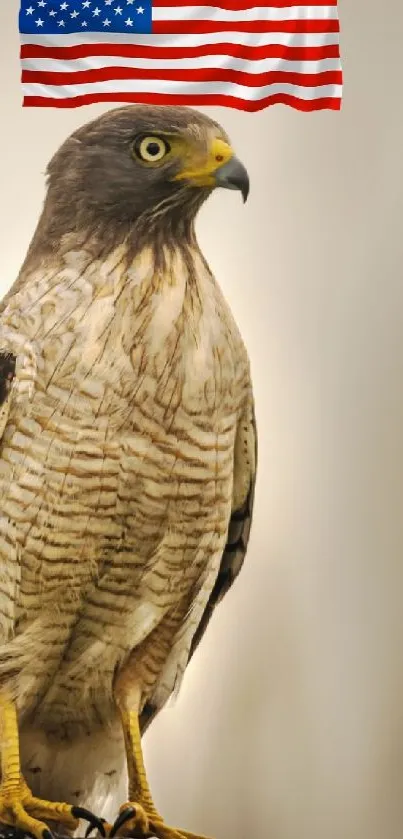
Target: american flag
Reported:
point(76, 52)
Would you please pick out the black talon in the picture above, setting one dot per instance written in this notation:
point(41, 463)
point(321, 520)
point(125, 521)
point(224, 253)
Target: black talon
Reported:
point(122, 818)
point(90, 828)
point(94, 821)
point(46, 834)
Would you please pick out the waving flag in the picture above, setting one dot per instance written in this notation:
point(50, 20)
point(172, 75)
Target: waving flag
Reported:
point(181, 52)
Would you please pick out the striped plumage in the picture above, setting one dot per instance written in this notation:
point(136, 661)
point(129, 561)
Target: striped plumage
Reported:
point(127, 453)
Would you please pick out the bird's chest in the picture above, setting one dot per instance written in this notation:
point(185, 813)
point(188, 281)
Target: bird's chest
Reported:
point(110, 346)
point(128, 439)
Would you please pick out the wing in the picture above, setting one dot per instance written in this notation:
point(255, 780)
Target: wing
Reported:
point(18, 365)
point(245, 464)
point(245, 461)
point(9, 569)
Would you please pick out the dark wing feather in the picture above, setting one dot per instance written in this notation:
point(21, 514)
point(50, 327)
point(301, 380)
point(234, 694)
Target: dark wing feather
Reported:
point(231, 564)
point(7, 374)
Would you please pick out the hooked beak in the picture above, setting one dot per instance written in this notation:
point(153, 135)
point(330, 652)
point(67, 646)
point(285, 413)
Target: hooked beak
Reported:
point(233, 175)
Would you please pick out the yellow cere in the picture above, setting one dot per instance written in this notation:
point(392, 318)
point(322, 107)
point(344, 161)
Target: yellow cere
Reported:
point(202, 175)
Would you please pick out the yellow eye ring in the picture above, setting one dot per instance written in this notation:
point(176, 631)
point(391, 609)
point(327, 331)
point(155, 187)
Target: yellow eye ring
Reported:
point(151, 149)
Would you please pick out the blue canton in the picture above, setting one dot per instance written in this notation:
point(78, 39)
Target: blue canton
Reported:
point(46, 17)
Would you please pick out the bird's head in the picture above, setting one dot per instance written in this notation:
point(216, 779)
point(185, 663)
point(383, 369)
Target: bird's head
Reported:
point(143, 168)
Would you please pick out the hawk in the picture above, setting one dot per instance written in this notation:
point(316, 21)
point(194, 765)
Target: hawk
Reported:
point(127, 464)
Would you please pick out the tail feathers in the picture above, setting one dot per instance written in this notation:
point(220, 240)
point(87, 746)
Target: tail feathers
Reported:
point(89, 771)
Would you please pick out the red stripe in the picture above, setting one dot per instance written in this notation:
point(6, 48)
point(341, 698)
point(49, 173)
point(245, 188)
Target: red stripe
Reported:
point(133, 51)
point(187, 27)
point(199, 75)
point(241, 5)
point(325, 103)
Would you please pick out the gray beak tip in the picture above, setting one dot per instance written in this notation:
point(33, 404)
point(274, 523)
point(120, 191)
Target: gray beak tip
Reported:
point(233, 175)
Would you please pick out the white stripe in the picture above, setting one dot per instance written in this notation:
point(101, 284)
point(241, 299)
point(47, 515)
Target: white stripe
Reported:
point(179, 88)
point(203, 62)
point(257, 13)
point(252, 39)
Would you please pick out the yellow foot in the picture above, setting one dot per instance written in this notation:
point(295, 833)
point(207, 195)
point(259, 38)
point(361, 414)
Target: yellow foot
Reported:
point(133, 820)
point(21, 810)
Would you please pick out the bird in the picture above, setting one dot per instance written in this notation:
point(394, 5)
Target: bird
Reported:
point(128, 458)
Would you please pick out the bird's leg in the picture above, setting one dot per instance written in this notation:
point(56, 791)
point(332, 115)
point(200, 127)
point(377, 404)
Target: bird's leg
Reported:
point(18, 807)
point(139, 816)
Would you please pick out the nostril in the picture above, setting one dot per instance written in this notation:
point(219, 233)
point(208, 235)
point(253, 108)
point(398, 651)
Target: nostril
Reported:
point(219, 158)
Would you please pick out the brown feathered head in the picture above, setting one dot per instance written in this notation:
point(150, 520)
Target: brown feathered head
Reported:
point(141, 170)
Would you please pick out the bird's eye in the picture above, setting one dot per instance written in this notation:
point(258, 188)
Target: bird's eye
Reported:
point(151, 149)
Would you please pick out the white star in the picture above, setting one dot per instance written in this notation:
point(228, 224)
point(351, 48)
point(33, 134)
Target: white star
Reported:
point(86, 4)
point(84, 23)
point(64, 6)
point(129, 2)
point(75, 14)
point(96, 11)
point(39, 22)
point(30, 10)
point(42, 3)
point(118, 10)
point(140, 10)
point(108, 2)
point(52, 13)
point(61, 23)
point(107, 22)
point(129, 22)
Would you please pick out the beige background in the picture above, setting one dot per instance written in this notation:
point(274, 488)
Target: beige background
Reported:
point(290, 722)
